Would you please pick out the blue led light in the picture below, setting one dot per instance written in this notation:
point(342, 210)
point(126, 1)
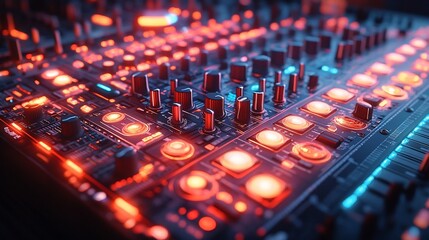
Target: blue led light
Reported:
point(289, 70)
point(334, 70)
point(104, 87)
point(325, 68)
point(350, 201)
point(376, 171)
point(231, 97)
point(254, 87)
point(385, 163)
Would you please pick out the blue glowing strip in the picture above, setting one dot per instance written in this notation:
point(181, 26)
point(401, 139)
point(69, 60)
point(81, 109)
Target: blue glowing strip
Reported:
point(352, 199)
point(289, 70)
point(104, 87)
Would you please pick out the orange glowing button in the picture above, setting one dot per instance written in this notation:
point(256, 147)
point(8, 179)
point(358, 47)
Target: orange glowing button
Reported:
point(113, 117)
point(265, 186)
point(101, 20)
point(270, 139)
point(408, 78)
point(177, 150)
point(392, 92)
point(296, 123)
point(108, 63)
point(421, 65)
point(78, 64)
point(363, 80)
point(129, 57)
point(207, 224)
point(158, 232)
point(240, 206)
point(197, 186)
point(406, 50)
point(319, 108)
point(394, 58)
point(380, 68)
point(312, 152)
point(339, 94)
point(63, 80)
point(135, 128)
point(349, 123)
point(418, 43)
point(51, 74)
point(237, 161)
point(157, 19)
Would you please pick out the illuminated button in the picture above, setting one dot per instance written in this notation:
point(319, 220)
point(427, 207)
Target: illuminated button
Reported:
point(265, 186)
point(363, 80)
point(113, 117)
point(237, 161)
point(418, 43)
point(296, 123)
point(380, 68)
point(51, 74)
point(391, 92)
point(197, 186)
point(207, 224)
point(177, 150)
point(78, 64)
point(340, 94)
point(312, 152)
point(63, 80)
point(135, 128)
point(157, 19)
point(319, 108)
point(349, 123)
point(271, 139)
point(394, 58)
point(101, 20)
point(406, 50)
point(408, 78)
point(421, 65)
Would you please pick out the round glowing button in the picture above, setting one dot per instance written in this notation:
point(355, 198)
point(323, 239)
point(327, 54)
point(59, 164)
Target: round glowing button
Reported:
point(265, 186)
point(237, 161)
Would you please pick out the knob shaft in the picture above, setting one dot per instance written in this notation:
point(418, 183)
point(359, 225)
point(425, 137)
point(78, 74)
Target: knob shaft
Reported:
point(155, 99)
point(279, 93)
point(176, 112)
point(293, 83)
point(209, 123)
point(242, 110)
point(258, 102)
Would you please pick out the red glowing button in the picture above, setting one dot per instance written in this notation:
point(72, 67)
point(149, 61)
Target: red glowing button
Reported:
point(207, 224)
point(135, 128)
point(418, 43)
point(408, 78)
point(380, 68)
point(406, 50)
point(296, 123)
point(113, 117)
point(270, 139)
point(394, 58)
point(421, 65)
point(177, 150)
point(157, 19)
point(363, 80)
point(312, 152)
point(265, 186)
point(339, 94)
point(349, 123)
point(237, 161)
point(319, 108)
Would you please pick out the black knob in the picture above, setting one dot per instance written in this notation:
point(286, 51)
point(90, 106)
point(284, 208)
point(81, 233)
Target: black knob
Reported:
point(204, 56)
point(311, 45)
point(260, 65)
point(238, 72)
point(293, 83)
point(212, 81)
point(363, 110)
point(279, 93)
point(15, 49)
point(140, 84)
point(216, 103)
point(242, 110)
point(222, 52)
point(325, 40)
point(33, 112)
point(349, 49)
point(313, 81)
point(164, 71)
point(340, 54)
point(294, 51)
point(278, 57)
point(126, 162)
point(183, 95)
point(71, 127)
point(185, 64)
point(359, 43)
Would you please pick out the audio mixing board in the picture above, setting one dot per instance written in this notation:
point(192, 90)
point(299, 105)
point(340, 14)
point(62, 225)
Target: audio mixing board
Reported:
point(223, 119)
